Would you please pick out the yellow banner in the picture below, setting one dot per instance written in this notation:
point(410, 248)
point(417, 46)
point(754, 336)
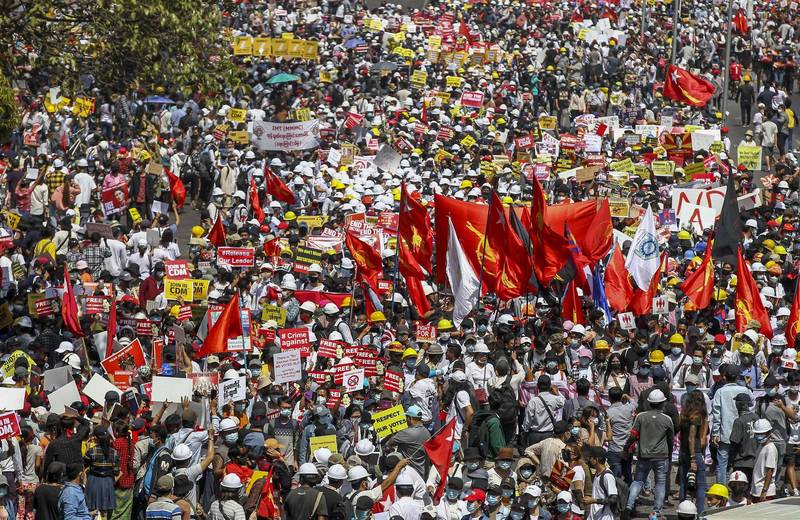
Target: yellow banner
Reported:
point(262, 46)
point(625, 165)
point(468, 141)
point(242, 46)
point(750, 156)
point(274, 312)
point(548, 122)
point(389, 421)
point(237, 115)
point(663, 168)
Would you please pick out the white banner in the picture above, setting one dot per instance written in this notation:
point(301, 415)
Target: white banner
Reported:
point(286, 137)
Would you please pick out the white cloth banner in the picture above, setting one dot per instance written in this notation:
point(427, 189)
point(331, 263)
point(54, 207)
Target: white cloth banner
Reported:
point(643, 261)
point(285, 137)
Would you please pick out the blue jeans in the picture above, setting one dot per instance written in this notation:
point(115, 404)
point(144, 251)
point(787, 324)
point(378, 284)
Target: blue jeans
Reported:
point(723, 451)
point(702, 483)
point(619, 465)
point(643, 469)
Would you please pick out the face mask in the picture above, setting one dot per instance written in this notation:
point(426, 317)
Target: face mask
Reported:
point(644, 371)
point(240, 408)
point(358, 402)
point(585, 362)
point(493, 500)
point(552, 365)
point(411, 363)
point(772, 392)
point(517, 515)
point(452, 495)
point(618, 341)
point(231, 438)
point(575, 431)
point(508, 493)
point(594, 420)
point(525, 473)
point(472, 466)
point(573, 342)
point(696, 360)
point(676, 351)
point(444, 337)
point(716, 361)
point(690, 388)
point(504, 465)
point(362, 515)
point(701, 330)
point(777, 350)
point(614, 366)
point(286, 412)
point(562, 508)
point(746, 360)
point(473, 506)
point(760, 437)
point(321, 400)
point(532, 503)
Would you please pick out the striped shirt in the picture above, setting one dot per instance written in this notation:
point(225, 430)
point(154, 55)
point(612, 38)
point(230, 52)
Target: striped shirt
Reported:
point(164, 509)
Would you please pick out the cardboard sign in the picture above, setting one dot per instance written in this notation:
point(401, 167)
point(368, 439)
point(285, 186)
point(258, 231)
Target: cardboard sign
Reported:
point(389, 421)
point(307, 255)
point(660, 305)
point(179, 290)
point(122, 379)
point(199, 289)
point(323, 441)
point(288, 366)
point(56, 378)
point(426, 333)
point(472, 99)
point(712, 198)
point(104, 230)
point(619, 207)
point(295, 339)
point(236, 256)
point(274, 312)
point(12, 398)
point(337, 371)
point(9, 425)
point(663, 168)
point(626, 320)
point(353, 381)
point(63, 397)
point(232, 390)
point(699, 217)
point(130, 357)
point(172, 389)
point(176, 269)
point(393, 381)
point(97, 388)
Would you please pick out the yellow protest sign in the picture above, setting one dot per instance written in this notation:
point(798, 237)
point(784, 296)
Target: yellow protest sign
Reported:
point(287, 36)
point(619, 207)
point(178, 290)
point(135, 216)
point(660, 151)
point(453, 81)
point(548, 122)
point(310, 50)
point(691, 128)
point(750, 156)
point(302, 114)
point(242, 46)
point(9, 365)
point(468, 141)
point(323, 441)
point(274, 312)
point(199, 289)
point(625, 165)
point(83, 107)
point(262, 46)
point(434, 41)
point(12, 219)
point(641, 171)
point(237, 115)
point(694, 168)
point(444, 96)
point(280, 47)
point(312, 221)
point(239, 136)
point(716, 147)
point(389, 421)
point(419, 78)
point(663, 168)
point(325, 77)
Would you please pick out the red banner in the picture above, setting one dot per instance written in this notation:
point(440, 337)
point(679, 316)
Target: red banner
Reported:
point(393, 381)
point(236, 256)
point(472, 99)
point(295, 339)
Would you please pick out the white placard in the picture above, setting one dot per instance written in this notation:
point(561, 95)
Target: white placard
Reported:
point(171, 389)
point(626, 320)
point(288, 367)
point(699, 217)
point(232, 390)
point(12, 399)
point(354, 380)
point(660, 305)
point(97, 387)
point(712, 198)
point(56, 378)
point(64, 396)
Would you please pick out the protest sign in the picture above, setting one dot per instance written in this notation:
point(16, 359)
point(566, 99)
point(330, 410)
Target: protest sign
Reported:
point(12, 398)
point(176, 269)
point(199, 289)
point(750, 156)
point(393, 381)
point(46, 307)
point(353, 380)
point(11, 363)
point(104, 230)
point(389, 421)
point(660, 305)
point(288, 366)
point(626, 320)
point(236, 256)
point(425, 333)
point(472, 99)
point(387, 159)
point(274, 312)
point(130, 357)
point(97, 388)
point(232, 390)
point(56, 378)
point(178, 290)
point(63, 396)
point(172, 389)
point(285, 137)
point(329, 348)
point(699, 217)
point(204, 382)
point(712, 198)
point(114, 200)
point(323, 441)
point(663, 168)
point(295, 339)
point(9, 425)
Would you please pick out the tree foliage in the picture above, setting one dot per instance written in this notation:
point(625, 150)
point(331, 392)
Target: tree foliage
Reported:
point(179, 45)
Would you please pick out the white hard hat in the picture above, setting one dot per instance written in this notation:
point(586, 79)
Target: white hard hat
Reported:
point(315, 268)
point(505, 319)
point(779, 340)
point(364, 447)
point(687, 507)
point(181, 452)
point(356, 473)
point(783, 311)
point(564, 496)
point(239, 195)
point(308, 468)
point(762, 426)
point(330, 308)
point(337, 472)
point(289, 284)
point(228, 424)
point(404, 479)
point(230, 374)
point(751, 335)
point(481, 348)
point(751, 222)
point(231, 481)
point(578, 329)
point(737, 476)
point(249, 155)
point(322, 455)
point(82, 163)
point(758, 267)
point(65, 346)
point(73, 360)
point(308, 306)
point(656, 396)
point(217, 192)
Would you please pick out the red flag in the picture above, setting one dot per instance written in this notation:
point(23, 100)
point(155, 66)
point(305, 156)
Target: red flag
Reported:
point(69, 307)
point(619, 289)
point(748, 300)
point(571, 307)
point(550, 249)
point(740, 21)
point(111, 329)
point(682, 86)
point(272, 247)
point(417, 294)
point(277, 189)
point(177, 188)
point(217, 234)
point(463, 30)
point(512, 281)
point(415, 228)
point(440, 449)
point(368, 261)
point(227, 326)
point(793, 325)
point(699, 286)
point(255, 202)
point(267, 508)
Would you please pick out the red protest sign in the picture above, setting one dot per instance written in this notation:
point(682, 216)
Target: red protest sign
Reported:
point(351, 351)
point(319, 377)
point(329, 348)
point(130, 357)
point(45, 307)
point(334, 396)
point(295, 339)
point(525, 142)
point(426, 333)
point(388, 220)
point(158, 352)
point(384, 285)
point(9, 425)
point(94, 304)
point(368, 360)
point(176, 269)
point(393, 381)
point(184, 313)
point(145, 328)
point(338, 371)
point(236, 256)
point(472, 99)
point(122, 379)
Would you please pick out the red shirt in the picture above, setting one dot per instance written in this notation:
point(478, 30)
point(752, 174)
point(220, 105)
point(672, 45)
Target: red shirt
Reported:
point(127, 477)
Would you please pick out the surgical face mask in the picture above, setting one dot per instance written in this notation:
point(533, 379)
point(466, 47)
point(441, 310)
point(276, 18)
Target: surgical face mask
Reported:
point(452, 495)
point(701, 330)
point(760, 437)
point(255, 372)
point(508, 493)
point(525, 473)
point(562, 508)
point(615, 365)
point(286, 412)
point(321, 400)
point(517, 515)
point(493, 500)
point(697, 360)
point(358, 402)
point(472, 466)
point(777, 349)
point(231, 438)
point(552, 365)
point(644, 371)
point(716, 361)
point(504, 465)
point(411, 363)
point(532, 503)
point(240, 407)
point(772, 392)
point(585, 362)
point(690, 387)
point(473, 506)
point(444, 337)
point(362, 515)
point(575, 431)
point(618, 340)
point(594, 420)
point(676, 351)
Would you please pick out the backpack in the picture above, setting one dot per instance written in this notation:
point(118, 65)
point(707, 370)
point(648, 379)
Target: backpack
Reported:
point(622, 491)
point(144, 487)
point(503, 400)
point(343, 510)
point(479, 435)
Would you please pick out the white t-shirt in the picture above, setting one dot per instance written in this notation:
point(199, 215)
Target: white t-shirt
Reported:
point(87, 184)
point(767, 458)
point(603, 487)
point(794, 426)
point(460, 401)
point(479, 376)
point(577, 482)
point(422, 393)
point(407, 508)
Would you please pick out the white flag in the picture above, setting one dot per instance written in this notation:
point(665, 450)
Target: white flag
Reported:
point(643, 260)
point(464, 282)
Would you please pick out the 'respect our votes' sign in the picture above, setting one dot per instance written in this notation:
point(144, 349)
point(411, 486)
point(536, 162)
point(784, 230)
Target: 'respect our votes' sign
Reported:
point(285, 137)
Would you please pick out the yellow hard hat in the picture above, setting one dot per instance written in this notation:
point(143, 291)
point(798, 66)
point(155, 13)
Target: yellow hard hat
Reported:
point(746, 77)
point(409, 352)
point(444, 324)
point(656, 356)
point(395, 346)
point(746, 348)
point(507, 200)
point(198, 231)
point(287, 251)
point(550, 68)
point(769, 244)
point(684, 235)
point(676, 339)
point(601, 344)
point(174, 310)
point(673, 281)
point(396, 194)
point(289, 215)
point(465, 184)
point(718, 490)
point(779, 250)
point(720, 295)
point(377, 316)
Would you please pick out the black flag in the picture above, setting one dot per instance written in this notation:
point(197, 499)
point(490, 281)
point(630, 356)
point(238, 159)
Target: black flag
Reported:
point(729, 228)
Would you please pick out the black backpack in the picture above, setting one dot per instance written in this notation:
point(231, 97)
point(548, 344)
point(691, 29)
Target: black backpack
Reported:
point(622, 491)
point(503, 400)
point(343, 510)
point(479, 434)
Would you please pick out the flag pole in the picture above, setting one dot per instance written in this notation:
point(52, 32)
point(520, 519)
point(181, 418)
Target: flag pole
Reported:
point(353, 293)
point(727, 71)
point(483, 251)
point(676, 16)
point(398, 242)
